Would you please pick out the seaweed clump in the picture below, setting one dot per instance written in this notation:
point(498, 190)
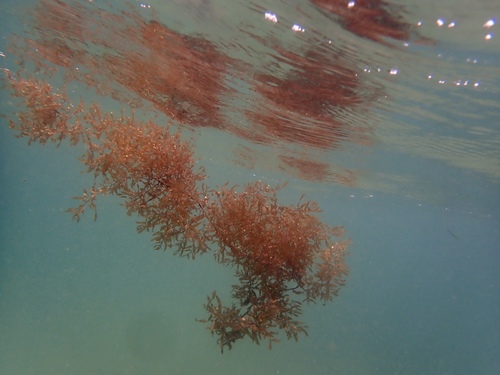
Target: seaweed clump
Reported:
point(282, 255)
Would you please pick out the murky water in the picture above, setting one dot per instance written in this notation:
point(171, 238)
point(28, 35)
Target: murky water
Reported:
point(386, 115)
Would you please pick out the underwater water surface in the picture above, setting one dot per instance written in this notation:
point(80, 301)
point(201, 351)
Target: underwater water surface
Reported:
point(385, 113)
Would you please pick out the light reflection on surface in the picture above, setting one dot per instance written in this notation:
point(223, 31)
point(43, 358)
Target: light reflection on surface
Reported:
point(312, 81)
point(424, 289)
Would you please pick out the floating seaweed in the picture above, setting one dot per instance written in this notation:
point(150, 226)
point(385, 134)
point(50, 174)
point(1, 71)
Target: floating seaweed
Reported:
point(282, 255)
point(293, 98)
point(372, 19)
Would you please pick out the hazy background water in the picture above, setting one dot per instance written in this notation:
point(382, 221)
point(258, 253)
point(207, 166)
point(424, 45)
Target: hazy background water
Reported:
point(423, 295)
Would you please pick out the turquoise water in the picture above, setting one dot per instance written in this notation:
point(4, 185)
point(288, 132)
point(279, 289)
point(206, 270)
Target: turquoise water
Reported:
point(423, 294)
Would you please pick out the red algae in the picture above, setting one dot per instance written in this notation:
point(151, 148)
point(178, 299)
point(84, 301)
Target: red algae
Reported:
point(372, 19)
point(282, 255)
point(301, 98)
point(315, 87)
point(182, 76)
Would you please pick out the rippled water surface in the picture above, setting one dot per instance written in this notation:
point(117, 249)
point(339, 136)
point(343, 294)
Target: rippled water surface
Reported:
point(385, 113)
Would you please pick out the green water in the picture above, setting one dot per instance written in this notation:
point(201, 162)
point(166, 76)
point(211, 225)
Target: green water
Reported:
point(423, 292)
